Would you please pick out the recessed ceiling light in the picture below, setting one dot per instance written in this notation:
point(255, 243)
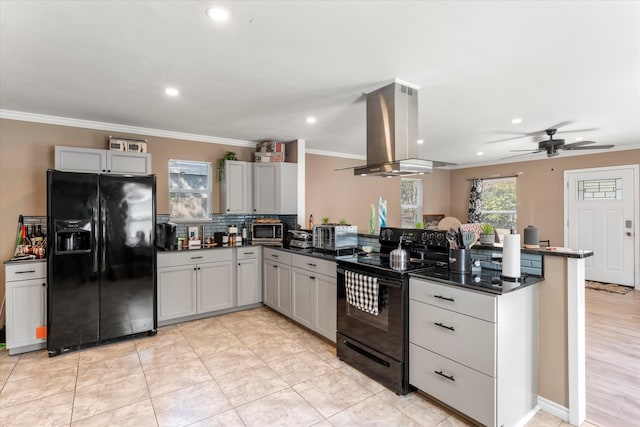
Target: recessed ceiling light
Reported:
point(311, 120)
point(420, 141)
point(172, 91)
point(579, 139)
point(218, 14)
point(516, 121)
point(480, 153)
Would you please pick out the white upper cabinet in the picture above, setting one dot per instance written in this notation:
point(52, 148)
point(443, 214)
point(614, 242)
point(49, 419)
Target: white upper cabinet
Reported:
point(275, 188)
point(236, 188)
point(75, 159)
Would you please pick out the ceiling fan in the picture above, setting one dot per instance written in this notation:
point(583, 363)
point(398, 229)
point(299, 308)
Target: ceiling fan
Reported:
point(551, 146)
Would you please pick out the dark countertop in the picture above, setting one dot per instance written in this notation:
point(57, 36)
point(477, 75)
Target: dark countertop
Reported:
point(25, 261)
point(551, 250)
point(308, 252)
point(484, 281)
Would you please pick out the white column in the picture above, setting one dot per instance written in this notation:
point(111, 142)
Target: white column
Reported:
point(576, 350)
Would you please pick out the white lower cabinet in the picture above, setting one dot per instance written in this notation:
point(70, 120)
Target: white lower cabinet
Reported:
point(475, 351)
point(276, 270)
point(194, 282)
point(26, 302)
point(248, 275)
point(311, 289)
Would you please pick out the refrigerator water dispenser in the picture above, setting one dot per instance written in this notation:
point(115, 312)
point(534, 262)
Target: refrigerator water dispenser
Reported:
point(72, 236)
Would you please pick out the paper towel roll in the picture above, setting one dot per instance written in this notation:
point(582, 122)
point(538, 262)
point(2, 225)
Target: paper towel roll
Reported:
point(511, 256)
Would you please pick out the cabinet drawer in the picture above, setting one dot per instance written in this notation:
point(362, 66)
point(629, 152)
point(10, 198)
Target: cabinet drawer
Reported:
point(276, 255)
point(482, 306)
point(321, 266)
point(466, 390)
point(26, 271)
point(168, 259)
point(465, 339)
point(249, 252)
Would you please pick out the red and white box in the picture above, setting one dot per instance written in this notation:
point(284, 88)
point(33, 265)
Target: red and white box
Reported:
point(270, 147)
point(269, 157)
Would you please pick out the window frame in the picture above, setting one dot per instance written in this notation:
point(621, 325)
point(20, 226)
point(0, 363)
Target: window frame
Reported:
point(513, 213)
point(418, 206)
point(208, 191)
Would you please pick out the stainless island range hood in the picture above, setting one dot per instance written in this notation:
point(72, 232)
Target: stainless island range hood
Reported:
point(392, 133)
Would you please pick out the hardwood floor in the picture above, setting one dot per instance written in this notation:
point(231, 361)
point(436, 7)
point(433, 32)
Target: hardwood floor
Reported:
point(613, 358)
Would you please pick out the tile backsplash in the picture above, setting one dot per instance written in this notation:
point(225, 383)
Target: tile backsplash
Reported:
point(220, 222)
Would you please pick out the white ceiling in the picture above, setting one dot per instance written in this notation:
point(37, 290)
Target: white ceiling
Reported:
point(258, 76)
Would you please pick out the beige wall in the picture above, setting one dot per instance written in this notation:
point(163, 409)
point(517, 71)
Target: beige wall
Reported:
point(338, 194)
point(27, 151)
point(540, 188)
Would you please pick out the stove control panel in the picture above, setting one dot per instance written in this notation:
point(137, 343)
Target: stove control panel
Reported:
point(413, 237)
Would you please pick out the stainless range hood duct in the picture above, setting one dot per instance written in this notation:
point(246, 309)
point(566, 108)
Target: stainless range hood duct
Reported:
point(392, 134)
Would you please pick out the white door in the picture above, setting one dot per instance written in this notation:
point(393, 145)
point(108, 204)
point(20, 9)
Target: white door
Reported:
point(601, 215)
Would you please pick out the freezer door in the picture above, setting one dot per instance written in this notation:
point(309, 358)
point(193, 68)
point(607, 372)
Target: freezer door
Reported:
point(128, 255)
point(72, 261)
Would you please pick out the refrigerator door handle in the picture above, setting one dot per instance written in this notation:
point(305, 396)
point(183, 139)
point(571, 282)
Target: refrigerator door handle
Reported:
point(103, 221)
point(94, 231)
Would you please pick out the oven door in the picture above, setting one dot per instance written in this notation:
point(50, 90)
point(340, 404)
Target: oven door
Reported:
point(385, 332)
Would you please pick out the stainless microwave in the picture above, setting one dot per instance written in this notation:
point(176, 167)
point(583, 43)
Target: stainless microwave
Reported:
point(269, 233)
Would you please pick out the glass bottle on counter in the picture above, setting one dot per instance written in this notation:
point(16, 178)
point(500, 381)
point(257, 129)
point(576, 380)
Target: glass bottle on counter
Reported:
point(24, 244)
point(244, 233)
point(311, 221)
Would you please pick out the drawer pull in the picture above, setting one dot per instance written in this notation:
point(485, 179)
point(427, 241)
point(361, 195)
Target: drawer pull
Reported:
point(449, 377)
point(196, 257)
point(451, 328)
point(248, 253)
point(444, 298)
point(310, 264)
point(25, 272)
point(274, 255)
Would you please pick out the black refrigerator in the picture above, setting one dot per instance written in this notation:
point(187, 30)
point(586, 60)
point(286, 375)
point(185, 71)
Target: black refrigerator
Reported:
point(101, 262)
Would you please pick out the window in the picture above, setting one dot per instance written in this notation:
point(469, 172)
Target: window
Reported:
point(499, 202)
point(410, 202)
point(189, 190)
point(600, 189)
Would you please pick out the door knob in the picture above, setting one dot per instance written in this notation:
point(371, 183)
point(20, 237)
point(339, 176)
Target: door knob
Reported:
point(629, 233)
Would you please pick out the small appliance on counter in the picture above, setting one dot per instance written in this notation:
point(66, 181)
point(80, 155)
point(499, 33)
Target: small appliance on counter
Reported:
point(166, 236)
point(335, 237)
point(300, 239)
point(267, 233)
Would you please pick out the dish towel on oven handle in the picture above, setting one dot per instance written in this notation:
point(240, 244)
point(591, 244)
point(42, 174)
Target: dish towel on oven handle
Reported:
point(362, 291)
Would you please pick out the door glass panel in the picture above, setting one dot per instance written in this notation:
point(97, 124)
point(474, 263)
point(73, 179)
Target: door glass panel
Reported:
point(600, 189)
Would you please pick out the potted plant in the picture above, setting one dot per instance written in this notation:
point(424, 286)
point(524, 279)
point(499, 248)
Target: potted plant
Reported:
point(229, 156)
point(325, 220)
point(487, 235)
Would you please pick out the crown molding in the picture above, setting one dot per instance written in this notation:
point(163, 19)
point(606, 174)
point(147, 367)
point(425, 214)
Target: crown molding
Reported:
point(113, 127)
point(335, 154)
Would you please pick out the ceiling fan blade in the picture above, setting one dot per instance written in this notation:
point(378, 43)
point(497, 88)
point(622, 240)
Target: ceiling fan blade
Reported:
point(524, 154)
point(577, 130)
point(577, 144)
point(590, 147)
point(528, 151)
point(559, 125)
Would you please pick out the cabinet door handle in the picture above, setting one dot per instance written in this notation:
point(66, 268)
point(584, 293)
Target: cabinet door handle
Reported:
point(449, 377)
point(196, 257)
point(312, 277)
point(194, 268)
point(451, 328)
point(25, 272)
point(275, 266)
point(444, 298)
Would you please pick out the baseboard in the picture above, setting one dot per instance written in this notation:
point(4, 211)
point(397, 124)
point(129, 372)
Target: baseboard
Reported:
point(553, 408)
point(524, 420)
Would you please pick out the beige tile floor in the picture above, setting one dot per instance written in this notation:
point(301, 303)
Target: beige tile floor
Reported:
point(250, 368)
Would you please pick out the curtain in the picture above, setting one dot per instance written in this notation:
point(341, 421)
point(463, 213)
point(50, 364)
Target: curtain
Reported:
point(475, 201)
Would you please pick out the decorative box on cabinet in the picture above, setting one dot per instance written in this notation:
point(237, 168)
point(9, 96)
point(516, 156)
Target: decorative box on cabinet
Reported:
point(91, 160)
point(26, 301)
point(475, 351)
